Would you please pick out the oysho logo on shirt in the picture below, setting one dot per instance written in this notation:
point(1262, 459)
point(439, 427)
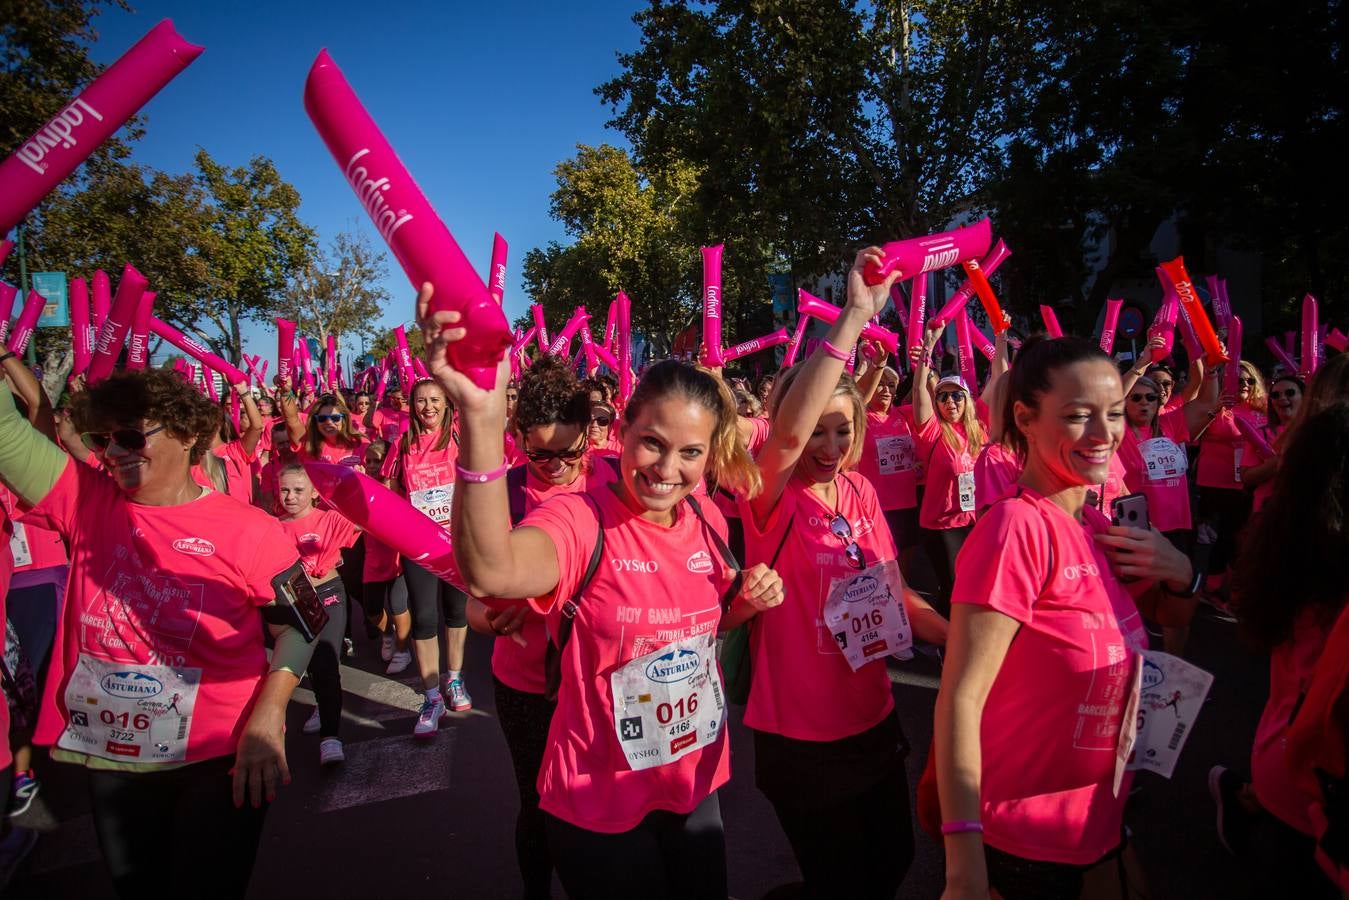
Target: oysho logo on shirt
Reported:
point(643, 566)
point(700, 563)
point(195, 546)
point(1081, 570)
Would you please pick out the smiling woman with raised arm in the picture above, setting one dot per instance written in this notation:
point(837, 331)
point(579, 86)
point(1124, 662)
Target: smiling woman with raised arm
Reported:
point(635, 579)
point(166, 695)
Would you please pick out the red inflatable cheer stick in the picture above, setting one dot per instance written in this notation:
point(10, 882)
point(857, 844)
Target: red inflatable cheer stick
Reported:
point(1189, 302)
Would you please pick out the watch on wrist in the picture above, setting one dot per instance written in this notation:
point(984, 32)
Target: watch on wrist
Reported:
point(1196, 582)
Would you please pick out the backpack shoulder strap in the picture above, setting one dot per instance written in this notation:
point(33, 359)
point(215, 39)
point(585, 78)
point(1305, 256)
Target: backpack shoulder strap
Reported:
point(727, 556)
point(571, 605)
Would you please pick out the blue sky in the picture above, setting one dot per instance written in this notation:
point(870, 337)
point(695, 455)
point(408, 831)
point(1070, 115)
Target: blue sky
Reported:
point(480, 101)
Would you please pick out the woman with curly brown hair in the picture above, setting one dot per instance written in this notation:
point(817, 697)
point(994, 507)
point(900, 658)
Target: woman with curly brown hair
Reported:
point(166, 695)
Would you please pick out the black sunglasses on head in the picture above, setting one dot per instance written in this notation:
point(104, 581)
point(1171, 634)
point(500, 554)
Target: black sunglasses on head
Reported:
point(126, 438)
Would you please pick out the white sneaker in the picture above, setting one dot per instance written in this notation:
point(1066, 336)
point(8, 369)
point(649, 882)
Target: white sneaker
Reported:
point(456, 695)
point(428, 721)
point(387, 644)
point(311, 724)
point(400, 660)
point(330, 751)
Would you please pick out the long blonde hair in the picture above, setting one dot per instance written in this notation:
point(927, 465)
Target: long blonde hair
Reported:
point(975, 438)
point(345, 436)
point(1259, 397)
point(846, 387)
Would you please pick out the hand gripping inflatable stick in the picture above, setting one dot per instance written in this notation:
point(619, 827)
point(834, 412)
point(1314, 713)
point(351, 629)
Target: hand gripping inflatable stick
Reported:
point(418, 238)
point(23, 328)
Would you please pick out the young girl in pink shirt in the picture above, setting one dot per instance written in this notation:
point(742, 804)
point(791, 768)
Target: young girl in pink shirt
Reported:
point(637, 747)
point(1026, 730)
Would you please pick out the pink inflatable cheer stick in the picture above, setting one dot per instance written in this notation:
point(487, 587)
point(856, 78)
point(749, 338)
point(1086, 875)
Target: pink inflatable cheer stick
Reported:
point(540, 327)
point(251, 363)
point(5, 247)
point(118, 322)
point(1253, 436)
point(81, 328)
point(42, 161)
point(988, 265)
point(983, 342)
point(285, 351)
point(624, 347)
point(7, 294)
point(794, 345)
point(306, 365)
point(523, 341)
point(761, 343)
point(1222, 309)
point(1112, 308)
point(913, 330)
point(382, 386)
point(712, 355)
point(1189, 301)
point(138, 344)
point(403, 216)
point(607, 358)
point(387, 517)
point(1280, 354)
point(1164, 326)
point(931, 252)
point(419, 368)
point(611, 326)
point(330, 362)
point(588, 344)
point(262, 379)
point(1310, 331)
point(897, 298)
point(1232, 373)
point(561, 345)
point(965, 351)
point(1337, 340)
point(196, 350)
point(496, 275)
point(406, 373)
point(1051, 320)
point(101, 300)
point(23, 329)
point(1290, 342)
point(996, 317)
point(1187, 334)
point(809, 305)
point(209, 377)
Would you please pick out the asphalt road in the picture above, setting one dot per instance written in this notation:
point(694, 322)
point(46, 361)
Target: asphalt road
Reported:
point(435, 819)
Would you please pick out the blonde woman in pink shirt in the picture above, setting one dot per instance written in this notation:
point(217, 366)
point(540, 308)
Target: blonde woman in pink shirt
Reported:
point(1044, 640)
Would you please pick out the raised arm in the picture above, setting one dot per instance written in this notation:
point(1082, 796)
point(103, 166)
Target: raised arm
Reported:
point(252, 430)
point(27, 387)
point(1194, 380)
point(29, 463)
point(921, 358)
point(290, 411)
point(1203, 407)
point(871, 377)
point(799, 411)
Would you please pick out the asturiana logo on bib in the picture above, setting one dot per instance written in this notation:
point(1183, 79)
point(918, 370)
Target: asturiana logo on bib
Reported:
point(131, 684)
point(673, 666)
point(195, 546)
point(861, 588)
point(436, 495)
point(700, 563)
point(1081, 570)
point(1152, 674)
point(643, 566)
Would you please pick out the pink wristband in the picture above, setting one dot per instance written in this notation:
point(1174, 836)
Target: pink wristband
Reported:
point(830, 349)
point(481, 477)
point(961, 827)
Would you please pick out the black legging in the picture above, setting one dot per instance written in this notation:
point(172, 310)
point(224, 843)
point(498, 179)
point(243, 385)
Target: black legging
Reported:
point(942, 545)
point(325, 666)
point(667, 855)
point(161, 832)
point(427, 596)
point(352, 571)
point(524, 719)
point(390, 596)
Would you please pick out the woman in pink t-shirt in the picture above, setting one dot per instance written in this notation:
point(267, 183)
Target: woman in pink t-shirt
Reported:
point(1291, 591)
point(1041, 655)
point(637, 747)
point(829, 750)
point(320, 535)
point(1257, 473)
point(890, 456)
point(167, 696)
point(233, 456)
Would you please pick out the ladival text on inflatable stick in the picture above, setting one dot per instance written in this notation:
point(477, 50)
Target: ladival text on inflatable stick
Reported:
point(23, 328)
point(561, 345)
point(982, 342)
point(712, 354)
point(138, 341)
point(81, 327)
point(406, 374)
point(1311, 351)
point(58, 148)
point(100, 301)
point(387, 517)
point(1164, 326)
point(1253, 436)
point(754, 346)
point(524, 339)
point(1232, 371)
point(5, 247)
point(285, 351)
point(931, 252)
point(808, 304)
point(965, 353)
point(1051, 320)
point(418, 238)
point(996, 317)
point(1289, 364)
point(118, 322)
point(7, 294)
point(794, 345)
point(588, 344)
point(1112, 308)
point(540, 327)
point(1189, 301)
point(988, 265)
point(913, 328)
point(196, 350)
point(496, 275)
point(624, 348)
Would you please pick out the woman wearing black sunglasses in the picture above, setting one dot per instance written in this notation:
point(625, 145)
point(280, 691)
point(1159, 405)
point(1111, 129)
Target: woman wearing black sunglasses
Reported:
point(829, 749)
point(1285, 396)
point(165, 693)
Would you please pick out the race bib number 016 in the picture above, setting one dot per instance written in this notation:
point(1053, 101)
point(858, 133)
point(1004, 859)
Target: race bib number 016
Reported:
point(895, 454)
point(435, 502)
point(669, 703)
point(1165, 460)
point(866, 615)
point(129, 713)
point(1165, 701)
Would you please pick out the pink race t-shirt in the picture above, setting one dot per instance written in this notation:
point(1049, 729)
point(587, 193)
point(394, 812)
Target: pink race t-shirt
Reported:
point(31, 547)
point(337, 453)
point(1251, 457)
point(319, 537)
point(238, 470)
point(390, 423)
point(890, 458)
point(1113, 486)
point(1164, 482)
point(381, 562)
point(996, 473)
point(941, 500)
point(6, 570)
point(155, 588)
point(803, 687)
point(655, 586)
point(522, 667)
point(1219, 461)
point(1054, 713)
point(425, 473)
